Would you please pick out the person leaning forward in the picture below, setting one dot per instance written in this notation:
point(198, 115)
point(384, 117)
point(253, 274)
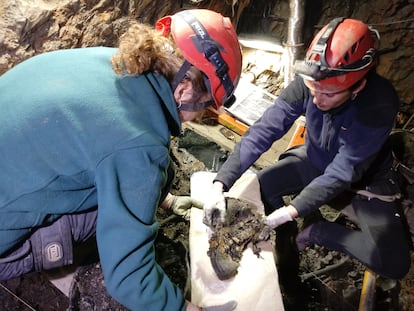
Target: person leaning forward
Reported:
point(350, 111)
point(86, 135)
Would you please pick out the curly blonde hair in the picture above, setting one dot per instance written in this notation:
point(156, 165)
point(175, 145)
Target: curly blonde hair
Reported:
point(142, 48)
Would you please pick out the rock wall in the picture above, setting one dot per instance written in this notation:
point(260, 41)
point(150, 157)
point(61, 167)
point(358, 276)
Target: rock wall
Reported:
point(394, 19)
point(30, 27)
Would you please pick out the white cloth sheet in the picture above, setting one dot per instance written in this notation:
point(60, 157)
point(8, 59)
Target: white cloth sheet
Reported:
point(256, 286)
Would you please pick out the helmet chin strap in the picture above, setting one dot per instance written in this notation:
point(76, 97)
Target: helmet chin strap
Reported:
point(180, 75)
point(177, 79)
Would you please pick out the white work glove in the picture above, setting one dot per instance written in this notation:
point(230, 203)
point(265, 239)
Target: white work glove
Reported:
point(181, 205)
point(214, 208)
point(278, 217)
point(228, 306)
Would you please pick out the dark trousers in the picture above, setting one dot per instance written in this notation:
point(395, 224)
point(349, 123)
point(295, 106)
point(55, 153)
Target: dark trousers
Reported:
point(51, 246)
point(380, 243)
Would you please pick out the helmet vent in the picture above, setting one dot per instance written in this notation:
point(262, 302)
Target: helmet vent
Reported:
point(347, 56)
point(354, 47)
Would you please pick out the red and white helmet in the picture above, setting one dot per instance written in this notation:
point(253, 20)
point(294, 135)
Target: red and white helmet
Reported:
point(208, 42)
point(340, 55)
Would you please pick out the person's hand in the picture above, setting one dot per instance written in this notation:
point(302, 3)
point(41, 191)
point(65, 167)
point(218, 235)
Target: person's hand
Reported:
point(228, 306)
point(278, 217)
point(214, 207)
point(181, 205)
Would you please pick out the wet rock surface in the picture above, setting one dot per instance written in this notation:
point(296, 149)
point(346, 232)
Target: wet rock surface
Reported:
point(88, 291)
point(30, 27)
point(32, 292)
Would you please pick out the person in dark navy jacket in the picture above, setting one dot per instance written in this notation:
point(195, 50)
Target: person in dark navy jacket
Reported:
point(350, 111)
point(85, 136)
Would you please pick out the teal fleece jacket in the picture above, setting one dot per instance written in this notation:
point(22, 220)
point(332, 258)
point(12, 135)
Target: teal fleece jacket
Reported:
point(74, 135)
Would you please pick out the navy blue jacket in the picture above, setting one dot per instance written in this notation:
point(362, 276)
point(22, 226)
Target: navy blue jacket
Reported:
point(74, 135)
point(341, 143)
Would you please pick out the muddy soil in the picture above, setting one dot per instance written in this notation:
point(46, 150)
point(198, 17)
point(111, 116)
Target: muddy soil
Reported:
point(329, 280)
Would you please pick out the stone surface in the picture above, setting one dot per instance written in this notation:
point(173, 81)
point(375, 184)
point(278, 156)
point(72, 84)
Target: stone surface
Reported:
point(30, 27)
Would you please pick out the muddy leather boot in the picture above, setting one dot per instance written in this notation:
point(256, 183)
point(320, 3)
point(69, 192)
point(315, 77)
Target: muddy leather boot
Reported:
point(287, 261)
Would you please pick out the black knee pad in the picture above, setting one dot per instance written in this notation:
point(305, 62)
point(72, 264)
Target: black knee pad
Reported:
point(52, 245)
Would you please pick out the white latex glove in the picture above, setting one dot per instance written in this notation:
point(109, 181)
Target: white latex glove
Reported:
point(228, 306)
point(278, 217)
point(181, 205)
point(214, 206)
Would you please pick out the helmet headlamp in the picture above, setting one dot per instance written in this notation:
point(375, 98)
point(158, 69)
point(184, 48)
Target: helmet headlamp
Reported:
point(318, 68)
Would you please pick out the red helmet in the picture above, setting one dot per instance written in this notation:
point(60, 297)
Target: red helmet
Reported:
point(339, 56)
point(209, 42)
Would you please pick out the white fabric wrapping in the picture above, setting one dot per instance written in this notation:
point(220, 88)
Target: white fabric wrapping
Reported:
point(256, 286)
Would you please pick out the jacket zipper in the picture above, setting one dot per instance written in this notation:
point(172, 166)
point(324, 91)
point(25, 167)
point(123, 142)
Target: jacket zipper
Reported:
point(328, 132)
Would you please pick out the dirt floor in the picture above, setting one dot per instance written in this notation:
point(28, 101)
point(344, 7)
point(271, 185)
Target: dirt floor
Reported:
point(329, 280)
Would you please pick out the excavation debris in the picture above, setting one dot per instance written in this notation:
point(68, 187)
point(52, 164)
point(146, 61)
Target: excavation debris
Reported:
point(243, 225)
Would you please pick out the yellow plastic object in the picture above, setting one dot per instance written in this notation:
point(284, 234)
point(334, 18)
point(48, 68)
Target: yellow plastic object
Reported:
point(367, 299)
point(233, 124)
point(298, 137)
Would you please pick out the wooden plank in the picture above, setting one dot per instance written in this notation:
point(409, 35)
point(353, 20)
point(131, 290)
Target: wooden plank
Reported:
point(232, 123)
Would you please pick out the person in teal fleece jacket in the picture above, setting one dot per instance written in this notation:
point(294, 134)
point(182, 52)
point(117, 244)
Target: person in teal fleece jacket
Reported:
point(85, 137)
